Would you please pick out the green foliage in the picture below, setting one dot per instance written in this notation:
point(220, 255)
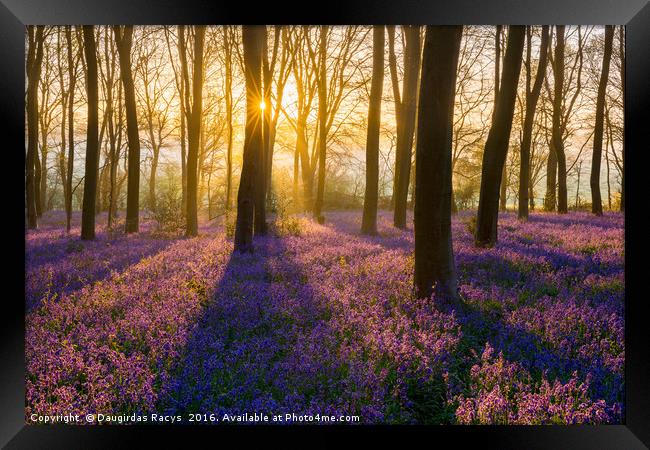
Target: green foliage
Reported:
point(285, 224)
point(168, 213)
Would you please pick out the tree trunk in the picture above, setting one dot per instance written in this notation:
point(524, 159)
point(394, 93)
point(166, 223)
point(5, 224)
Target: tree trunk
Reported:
point(408, 107)
point(260, 226)
point(622, 56)
point(65, 96)
point(532, 96)
point(194, 133)
point(296, 174)
point(558, 144)
point(183, 160)
point(253, 142)
point(503, 189)
point(43, 177)
point(92, 141)
point(551, 180)
point(228, 95)
point(496, 146)
point(33, 67)
point(73, 80)
point(392, 66)
point(152, 177)
point(322, 125)
point(123, 41)
point(497, 74)
point(434, 256)
point(369, 220)
point(594, 181)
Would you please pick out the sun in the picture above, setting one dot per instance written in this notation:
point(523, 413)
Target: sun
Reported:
point(262, 105)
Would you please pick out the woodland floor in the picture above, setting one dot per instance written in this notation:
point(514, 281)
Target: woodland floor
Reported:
point(320, 320)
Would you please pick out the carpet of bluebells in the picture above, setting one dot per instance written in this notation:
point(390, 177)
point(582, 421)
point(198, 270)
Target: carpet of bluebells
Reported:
point(321, 320)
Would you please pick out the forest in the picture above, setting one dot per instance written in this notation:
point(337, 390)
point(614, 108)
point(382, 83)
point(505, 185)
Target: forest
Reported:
point(407, 224)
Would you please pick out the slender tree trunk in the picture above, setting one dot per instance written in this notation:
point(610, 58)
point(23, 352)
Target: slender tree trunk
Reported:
point(551, 179)
point(228, 95)
point(408, 109)
point(183, 159)
point(34, 61)
point(260, 226)
point(622, 56)
point(558, 144)
point(92, 141)
point(43, 177)
point(496, 146)
point(252, 40)
point(497, 74)
point(434, 255)
point(322, 125)
point(594, 181)
point(279, 93)
point(305, 167)
point(578, 186)
point(392, 66)
point(65, 96)
point(194, 133)
point(73, 79)
point(503, 188)
point(37, 180)
point(532, 96)
point(296, 174)
point(369, 220)
point(123, 41)
point(152, 177)
point(608, 142)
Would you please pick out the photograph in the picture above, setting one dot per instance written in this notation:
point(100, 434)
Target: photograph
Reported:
point(324, 224)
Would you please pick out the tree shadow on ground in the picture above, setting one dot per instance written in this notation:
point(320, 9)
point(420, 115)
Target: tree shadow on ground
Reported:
point(68, 264)
point(485, 322)
point(244, 353)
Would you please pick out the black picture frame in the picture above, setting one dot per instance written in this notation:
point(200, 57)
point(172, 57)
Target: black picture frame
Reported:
point(635, 14)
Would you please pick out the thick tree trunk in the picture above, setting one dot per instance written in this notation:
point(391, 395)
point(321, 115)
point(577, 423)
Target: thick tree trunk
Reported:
point(408, 107)
point(496, 146)
point(253, 142)
point(594, 181)
point(322, 125)
point(369, 220)
point(434, 256)
point(92, 140)
point(194, 133)
point(123, 41)
point(532, 96)
point(34, 61)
